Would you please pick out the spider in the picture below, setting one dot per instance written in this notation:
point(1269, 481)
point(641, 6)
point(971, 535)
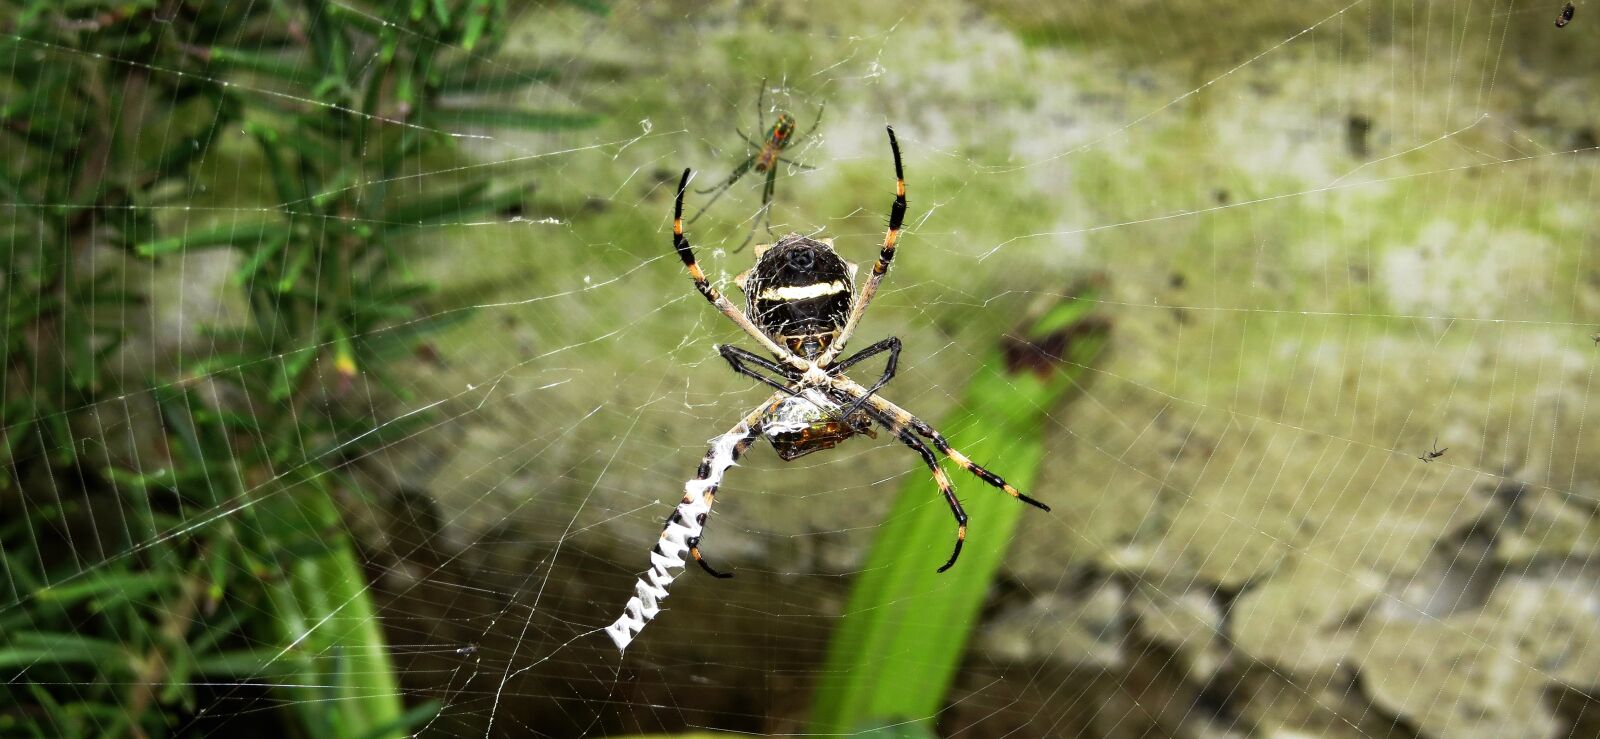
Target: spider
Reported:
point(1435, 454)
point(779, 137)
point(803, 309)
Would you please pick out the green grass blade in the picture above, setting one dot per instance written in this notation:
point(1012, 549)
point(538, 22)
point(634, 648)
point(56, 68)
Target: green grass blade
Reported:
point(906, 626)
point(499, 79)
point(30, 649)
point(233, 234)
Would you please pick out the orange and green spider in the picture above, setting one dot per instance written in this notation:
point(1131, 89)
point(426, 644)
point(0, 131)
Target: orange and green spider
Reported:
point(763, 157)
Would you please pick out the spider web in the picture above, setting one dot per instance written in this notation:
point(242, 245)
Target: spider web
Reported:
point(1330, 234)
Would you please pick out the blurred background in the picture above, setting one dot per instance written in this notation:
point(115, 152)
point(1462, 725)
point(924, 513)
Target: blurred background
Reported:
point(349, 373)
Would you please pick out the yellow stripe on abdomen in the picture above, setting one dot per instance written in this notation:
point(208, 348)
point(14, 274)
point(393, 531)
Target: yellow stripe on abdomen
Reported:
point(803, 292)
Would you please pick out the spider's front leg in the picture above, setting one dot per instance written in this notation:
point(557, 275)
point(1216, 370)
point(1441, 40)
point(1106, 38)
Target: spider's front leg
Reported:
point(737, 357)
point(680, 243)
point(897, 218)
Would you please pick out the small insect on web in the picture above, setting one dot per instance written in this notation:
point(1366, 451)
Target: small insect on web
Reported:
point(765, 158)
point(1567, 12)
point(1435, 452)
point(803, 309)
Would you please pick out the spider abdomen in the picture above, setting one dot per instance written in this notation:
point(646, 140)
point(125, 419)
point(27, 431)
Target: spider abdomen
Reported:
point(800, 293)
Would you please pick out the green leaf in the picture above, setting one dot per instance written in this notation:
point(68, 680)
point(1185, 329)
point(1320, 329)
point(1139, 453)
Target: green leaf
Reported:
point(248, 233)
point(307, 144)
point(287, 185)
point(218, 628)
point(298, 259)
point(451, 209)
point(906, 625)
point(531, 120)
point(178, 421)
point(275, 65)
point(406, 723)
point(477, 21)
point(447, 207)
point(122, 585)
point(60, 717)
point(264, 251)
point(31, 649)
point(355, 18)
point(250, 663)
point(392, 342)
point(292, 364)
point(474, 80)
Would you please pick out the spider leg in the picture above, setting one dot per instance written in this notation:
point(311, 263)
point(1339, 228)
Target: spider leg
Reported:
point(733, 177)
point(761, 100)
point(756, 221)
point(900, 418)
point(890, 345)
point(686, 253)
point(766, 197)
point(797, 165)
point(722, 188)
point(897, 217)
point(737, 357)
point(765, 214)
point(772, 179)
point(943, 481)
point(973, 467)
point(815, 121)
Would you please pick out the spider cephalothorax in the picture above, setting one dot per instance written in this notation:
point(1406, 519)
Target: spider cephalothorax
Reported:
point(799, 293)
point(803, 310)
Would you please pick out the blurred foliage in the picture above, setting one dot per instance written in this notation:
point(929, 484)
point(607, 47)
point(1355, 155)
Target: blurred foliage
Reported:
point(195, 536)
point(892, 662)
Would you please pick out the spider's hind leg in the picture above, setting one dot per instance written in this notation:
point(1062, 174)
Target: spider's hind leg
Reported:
point(977, 470)
point(939, 478)
point(900, 418)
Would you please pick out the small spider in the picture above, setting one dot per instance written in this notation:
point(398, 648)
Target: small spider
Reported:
point(1435, 454)
point(1566, 15)
point(803, 309)
point(1596, 338)
point(765, 158)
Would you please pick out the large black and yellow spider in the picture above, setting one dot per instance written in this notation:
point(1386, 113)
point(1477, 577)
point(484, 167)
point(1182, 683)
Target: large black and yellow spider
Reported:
point(802, 310)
